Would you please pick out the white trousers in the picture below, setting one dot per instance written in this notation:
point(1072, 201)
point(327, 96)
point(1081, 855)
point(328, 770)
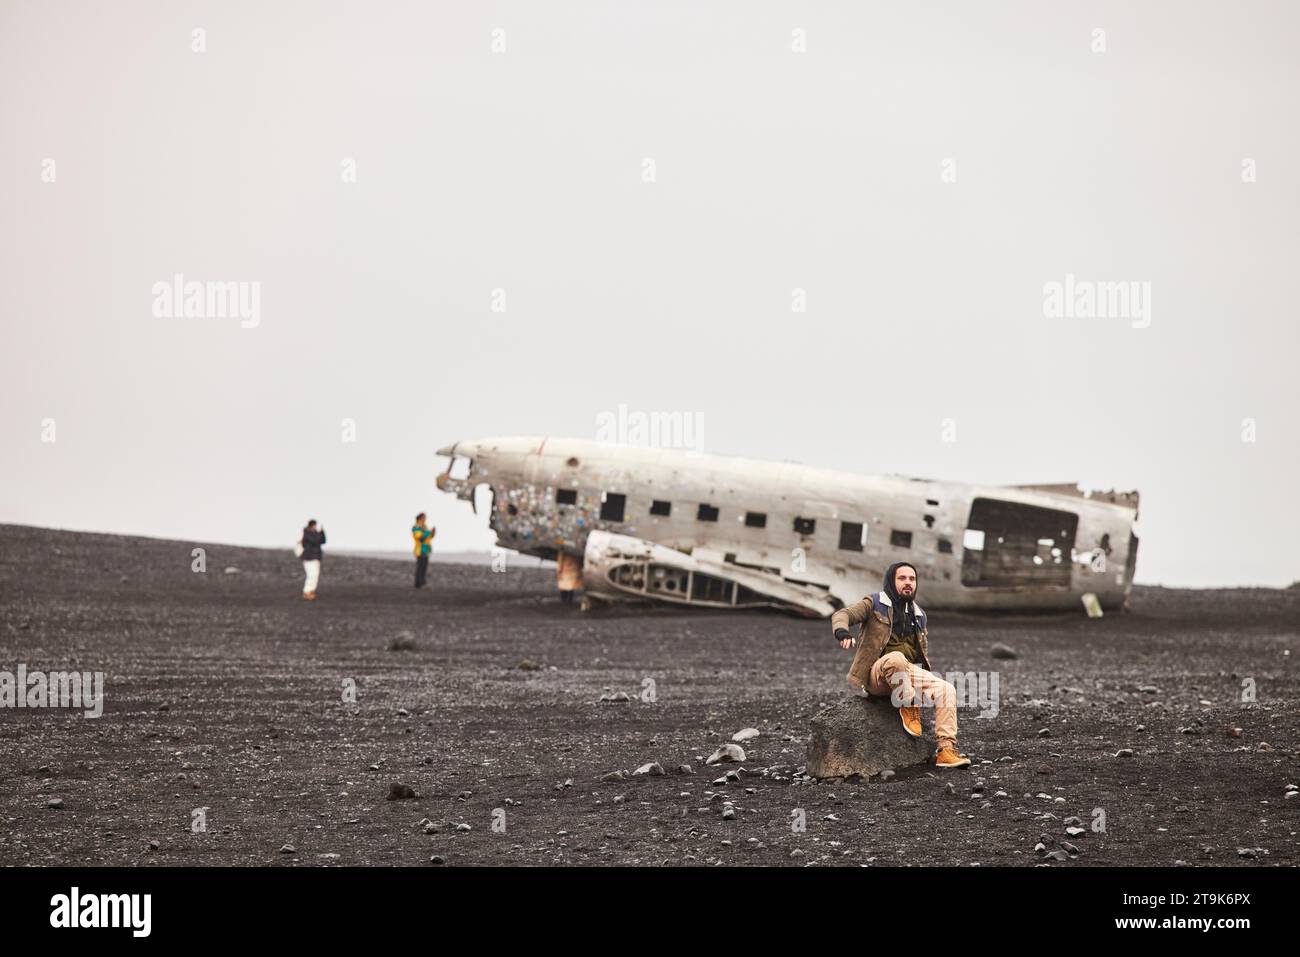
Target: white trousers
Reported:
point(312, 568)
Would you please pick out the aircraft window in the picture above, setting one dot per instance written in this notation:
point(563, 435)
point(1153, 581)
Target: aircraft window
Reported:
point(805, 526)
point(973, 539)
point(706, 513)
point(900, 539)
point(853, 536)
point(929, 521)
point(611, 506)
point(755, 520)
point(566, 496)
point(945, 547)
point(931, 501)
point(660, 508)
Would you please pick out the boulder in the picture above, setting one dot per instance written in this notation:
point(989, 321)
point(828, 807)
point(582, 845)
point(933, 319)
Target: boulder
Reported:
point(862, 736)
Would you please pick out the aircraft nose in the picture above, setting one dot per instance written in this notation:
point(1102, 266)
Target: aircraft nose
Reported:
point(448, 449)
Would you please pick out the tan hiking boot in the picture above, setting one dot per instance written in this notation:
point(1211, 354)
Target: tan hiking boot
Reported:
point(911, 715)
point(949, 758)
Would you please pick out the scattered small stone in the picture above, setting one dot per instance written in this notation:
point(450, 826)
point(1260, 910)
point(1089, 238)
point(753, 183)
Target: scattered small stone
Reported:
point(685, 769)
point(527, 664)
point(437, 859)
point(400, 792)
point(616, 697)
point(886, 774)
point(728, 813)
point(614, 776)
point(1005, 652)
point(1044, 732)
point(1124, 753)
point(153, 845)
point(462, 827)
point(54, 804)
point(652, 769)
point(231, 570)
point(745, 734)
point(1075, 831)
point(728, 752)
point(1056, 856)
point(402, 641)
point(288, 849)
point(1234, 732)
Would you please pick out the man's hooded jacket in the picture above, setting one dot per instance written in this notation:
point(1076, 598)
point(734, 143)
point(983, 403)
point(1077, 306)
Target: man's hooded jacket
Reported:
point(879, 614)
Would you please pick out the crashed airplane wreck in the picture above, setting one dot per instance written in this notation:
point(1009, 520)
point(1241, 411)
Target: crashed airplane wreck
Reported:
point(724, 532)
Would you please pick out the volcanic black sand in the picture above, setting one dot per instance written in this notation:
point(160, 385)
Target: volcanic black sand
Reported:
point(224, 691)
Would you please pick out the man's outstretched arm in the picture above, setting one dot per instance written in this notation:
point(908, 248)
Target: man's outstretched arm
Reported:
point(850, 615)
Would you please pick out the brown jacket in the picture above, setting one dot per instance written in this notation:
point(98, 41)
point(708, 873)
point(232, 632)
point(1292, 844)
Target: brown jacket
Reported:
point(876, 615)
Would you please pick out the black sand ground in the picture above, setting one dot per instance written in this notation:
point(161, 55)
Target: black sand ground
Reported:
point(224, 691)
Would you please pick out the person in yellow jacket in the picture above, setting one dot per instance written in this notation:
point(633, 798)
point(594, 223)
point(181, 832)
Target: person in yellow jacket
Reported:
point(422, 534)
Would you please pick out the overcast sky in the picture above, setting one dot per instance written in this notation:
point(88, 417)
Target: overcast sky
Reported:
point(645, 187)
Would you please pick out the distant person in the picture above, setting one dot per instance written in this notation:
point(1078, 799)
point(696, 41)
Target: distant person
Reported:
point(568, 575)
point(312, 539)
point(422, 535)
point(893, 659)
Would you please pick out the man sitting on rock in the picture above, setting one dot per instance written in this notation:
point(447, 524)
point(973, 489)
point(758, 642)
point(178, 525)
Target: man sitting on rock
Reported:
point(892, 654)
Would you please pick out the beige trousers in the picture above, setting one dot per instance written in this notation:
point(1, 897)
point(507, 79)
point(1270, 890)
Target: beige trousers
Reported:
point(895, 677)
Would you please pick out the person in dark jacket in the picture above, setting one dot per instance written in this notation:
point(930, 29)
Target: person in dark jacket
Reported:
point(312, 539)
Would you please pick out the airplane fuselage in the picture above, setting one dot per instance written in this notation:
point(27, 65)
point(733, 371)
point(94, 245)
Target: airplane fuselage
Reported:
point(821, 532)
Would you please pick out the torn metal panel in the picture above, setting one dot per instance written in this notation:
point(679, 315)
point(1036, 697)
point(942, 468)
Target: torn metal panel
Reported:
point(622, 568)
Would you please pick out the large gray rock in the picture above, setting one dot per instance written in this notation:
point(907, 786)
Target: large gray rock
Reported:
point(862, 736)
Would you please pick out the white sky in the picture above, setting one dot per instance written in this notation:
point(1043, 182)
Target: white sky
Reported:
point(522, 171)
